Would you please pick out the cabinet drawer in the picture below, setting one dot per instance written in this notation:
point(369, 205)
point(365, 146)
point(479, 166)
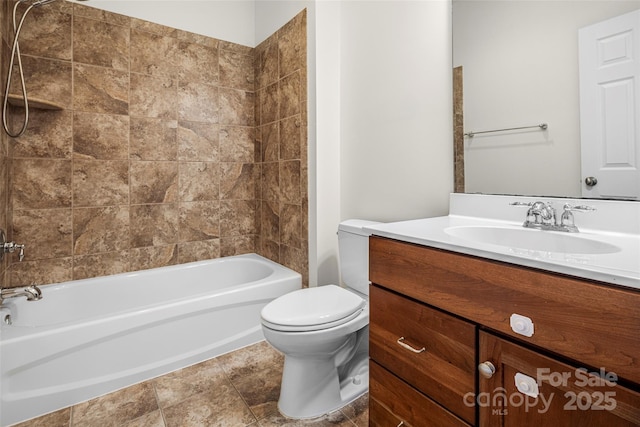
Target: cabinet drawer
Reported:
point(404, 403)
point(587, 321)
point(431, 350)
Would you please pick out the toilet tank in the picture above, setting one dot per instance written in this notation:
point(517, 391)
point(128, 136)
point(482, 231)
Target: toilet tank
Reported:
point(353, 247)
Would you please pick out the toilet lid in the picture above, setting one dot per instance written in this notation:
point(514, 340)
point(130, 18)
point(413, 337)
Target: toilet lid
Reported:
point(312, 309)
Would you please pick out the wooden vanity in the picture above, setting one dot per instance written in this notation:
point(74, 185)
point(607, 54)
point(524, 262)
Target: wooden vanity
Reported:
point(444, 352)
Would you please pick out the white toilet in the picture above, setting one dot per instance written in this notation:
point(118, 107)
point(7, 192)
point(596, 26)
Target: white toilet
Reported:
point(324, 334)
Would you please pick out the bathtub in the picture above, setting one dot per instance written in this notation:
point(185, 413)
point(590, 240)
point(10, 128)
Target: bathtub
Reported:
point(86, 338)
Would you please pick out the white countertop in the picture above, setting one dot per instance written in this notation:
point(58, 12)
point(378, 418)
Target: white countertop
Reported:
point(620, 268)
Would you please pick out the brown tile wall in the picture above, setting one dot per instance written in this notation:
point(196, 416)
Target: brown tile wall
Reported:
point(158, 155)
point(281, 123)
point(4, 161)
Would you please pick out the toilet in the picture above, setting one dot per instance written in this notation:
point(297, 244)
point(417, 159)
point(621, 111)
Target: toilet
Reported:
point(323, 333)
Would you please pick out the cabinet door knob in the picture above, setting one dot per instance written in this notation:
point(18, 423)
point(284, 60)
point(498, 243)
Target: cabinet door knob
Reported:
point(408, 347)
point(487, 369)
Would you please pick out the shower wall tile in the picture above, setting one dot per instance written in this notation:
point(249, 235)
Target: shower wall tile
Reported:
point(236, 107)
point(290, 40)
point(104, 264)
point(153, 257)
point(238, 217)
point(199, 181)
point(268, 100)
point(198, 141)
point(53, 270)
point(270, 143)
point(100, 136)
point(48, 79)
point(197, 63)
point(198, 102)
point(154, 54)
point(49, 134)
point(290, 129)
point(97, 230)
point(100, 43)
point(237, 144)
point(152, 27)
point(153, 139)
point(237, 181)
point(289, 94)
point(237, 245)
point(199, 38)
point(40, 183)
point(171, 147)
point(291, 225)
point(46, 32)
point(153, 96)
point(154, 225)
point(153, 182)
point(80, 10)
point(290, 181)
point(199, 221)
point(198, 250)
point(100, 183)
point(267, 63)
point(237, 70)
point(280, 64)
point(100, 90)
point(48, 231)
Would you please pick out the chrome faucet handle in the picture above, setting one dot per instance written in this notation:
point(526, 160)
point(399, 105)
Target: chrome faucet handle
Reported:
point(567, 221)
point(21, 253)
point(10, 247)
point(521, 204)
point(578, 208)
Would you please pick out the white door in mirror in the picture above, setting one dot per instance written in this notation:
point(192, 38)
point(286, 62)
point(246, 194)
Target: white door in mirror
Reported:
point(609, 101)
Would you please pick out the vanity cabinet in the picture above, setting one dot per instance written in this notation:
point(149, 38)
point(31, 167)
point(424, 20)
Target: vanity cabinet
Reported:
point(459, 309)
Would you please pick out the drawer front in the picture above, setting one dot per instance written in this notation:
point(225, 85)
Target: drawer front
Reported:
point(590, 322)
point(393, 399)
point(431, 350)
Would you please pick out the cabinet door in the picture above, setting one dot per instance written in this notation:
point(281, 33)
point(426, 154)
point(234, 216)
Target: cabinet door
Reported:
point(567, 396)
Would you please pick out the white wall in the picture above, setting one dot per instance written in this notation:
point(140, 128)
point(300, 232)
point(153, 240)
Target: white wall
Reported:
point(396, 109)
point(520, 64)
point(230, 20)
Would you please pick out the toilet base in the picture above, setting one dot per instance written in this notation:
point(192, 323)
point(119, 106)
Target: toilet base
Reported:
point(311, 389)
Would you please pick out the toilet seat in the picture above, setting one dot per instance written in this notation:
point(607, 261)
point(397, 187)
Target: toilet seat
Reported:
point(312, 309)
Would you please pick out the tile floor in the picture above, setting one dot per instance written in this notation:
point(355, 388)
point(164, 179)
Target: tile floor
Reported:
point(236, 389)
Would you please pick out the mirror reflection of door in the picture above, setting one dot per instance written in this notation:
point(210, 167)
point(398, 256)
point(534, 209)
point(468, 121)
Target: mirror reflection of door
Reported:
point(610, 107)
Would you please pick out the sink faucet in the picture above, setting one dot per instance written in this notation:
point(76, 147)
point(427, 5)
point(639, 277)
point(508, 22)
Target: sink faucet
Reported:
point(542, 216)
point(33, 293)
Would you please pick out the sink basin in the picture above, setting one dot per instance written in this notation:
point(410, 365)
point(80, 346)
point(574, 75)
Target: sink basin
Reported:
point(522, 238)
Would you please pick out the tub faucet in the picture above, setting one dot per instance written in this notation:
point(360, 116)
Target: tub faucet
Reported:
point(33, 293)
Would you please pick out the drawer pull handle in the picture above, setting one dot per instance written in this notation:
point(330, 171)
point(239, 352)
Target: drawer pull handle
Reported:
point(487, 369)
point(408, 347)
point(401, 424)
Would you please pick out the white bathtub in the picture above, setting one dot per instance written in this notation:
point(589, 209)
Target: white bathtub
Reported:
point(86, 338)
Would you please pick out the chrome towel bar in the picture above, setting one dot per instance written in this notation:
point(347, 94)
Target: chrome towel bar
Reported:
point(542, 126)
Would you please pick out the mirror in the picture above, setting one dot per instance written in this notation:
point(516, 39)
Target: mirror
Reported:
point(519, 64)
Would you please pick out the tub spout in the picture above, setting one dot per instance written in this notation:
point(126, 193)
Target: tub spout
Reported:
point(32, 293)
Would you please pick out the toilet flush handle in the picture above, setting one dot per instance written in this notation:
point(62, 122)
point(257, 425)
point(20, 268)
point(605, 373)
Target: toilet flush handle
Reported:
point(408, 347)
